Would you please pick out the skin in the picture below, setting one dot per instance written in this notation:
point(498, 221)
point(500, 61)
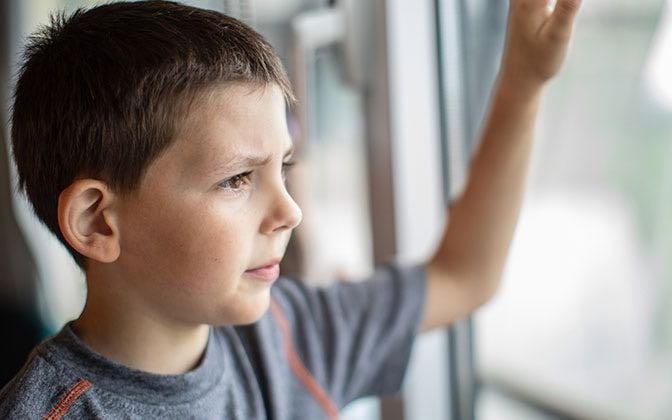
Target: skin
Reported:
point(466, 269)
point(173, 257)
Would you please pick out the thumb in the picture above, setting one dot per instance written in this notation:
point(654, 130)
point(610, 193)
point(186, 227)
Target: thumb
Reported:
point(560, 22)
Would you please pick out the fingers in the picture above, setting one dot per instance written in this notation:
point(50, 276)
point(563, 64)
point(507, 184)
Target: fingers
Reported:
point(560, 24)
point(531, 12)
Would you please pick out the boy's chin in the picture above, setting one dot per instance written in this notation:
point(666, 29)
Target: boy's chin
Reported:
point(250, 315)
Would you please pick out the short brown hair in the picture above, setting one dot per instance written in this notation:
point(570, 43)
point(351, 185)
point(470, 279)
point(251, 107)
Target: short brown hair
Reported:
point(100, 92)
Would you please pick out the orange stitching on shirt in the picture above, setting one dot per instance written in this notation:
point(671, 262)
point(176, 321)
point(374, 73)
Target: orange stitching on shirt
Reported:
point(68, 399)
point(298, 367)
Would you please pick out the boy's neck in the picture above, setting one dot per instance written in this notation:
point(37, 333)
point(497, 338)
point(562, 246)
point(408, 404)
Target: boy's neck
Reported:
point(125, 333)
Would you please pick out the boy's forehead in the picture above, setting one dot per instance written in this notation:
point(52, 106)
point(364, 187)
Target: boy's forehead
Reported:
point(238, 101)
point(231, 120)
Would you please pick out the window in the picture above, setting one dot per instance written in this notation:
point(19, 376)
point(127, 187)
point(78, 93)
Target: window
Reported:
point(583, 322)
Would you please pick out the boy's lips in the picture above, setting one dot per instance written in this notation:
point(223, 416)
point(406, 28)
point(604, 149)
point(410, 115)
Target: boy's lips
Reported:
point(269, 272)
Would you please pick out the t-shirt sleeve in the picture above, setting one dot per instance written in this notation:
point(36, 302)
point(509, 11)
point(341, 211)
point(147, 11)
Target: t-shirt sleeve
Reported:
point(356, 337)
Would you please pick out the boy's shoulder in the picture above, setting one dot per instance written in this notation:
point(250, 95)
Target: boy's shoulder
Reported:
point(39, 388)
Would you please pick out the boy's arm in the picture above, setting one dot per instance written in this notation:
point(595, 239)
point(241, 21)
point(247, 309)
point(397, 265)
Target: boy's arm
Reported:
point(466, 268)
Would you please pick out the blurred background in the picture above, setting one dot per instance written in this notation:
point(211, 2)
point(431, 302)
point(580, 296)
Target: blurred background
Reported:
point(391, 96)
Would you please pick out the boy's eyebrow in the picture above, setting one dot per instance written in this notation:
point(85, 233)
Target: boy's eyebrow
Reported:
point(250, 161)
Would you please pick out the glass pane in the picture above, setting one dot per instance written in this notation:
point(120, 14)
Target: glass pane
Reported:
point(334, 188)
point(585, 310)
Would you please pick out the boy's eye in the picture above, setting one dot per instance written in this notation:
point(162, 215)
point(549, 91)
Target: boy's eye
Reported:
point(286, 166)
point(236, 182)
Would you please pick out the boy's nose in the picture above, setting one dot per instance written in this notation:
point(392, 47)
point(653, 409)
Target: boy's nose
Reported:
point(284, 213)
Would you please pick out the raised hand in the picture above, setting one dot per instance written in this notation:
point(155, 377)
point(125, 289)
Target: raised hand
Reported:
point(537, 39)
point(467, 266)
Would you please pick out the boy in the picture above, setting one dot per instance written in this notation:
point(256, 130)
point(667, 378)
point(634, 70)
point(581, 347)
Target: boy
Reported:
point(151, 139)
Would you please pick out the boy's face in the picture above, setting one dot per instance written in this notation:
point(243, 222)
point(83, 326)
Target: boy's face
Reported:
point(210, 210)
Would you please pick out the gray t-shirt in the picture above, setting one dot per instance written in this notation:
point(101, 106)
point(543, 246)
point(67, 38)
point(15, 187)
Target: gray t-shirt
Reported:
point(316, 350)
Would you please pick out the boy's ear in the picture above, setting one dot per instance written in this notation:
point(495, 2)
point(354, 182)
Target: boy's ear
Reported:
point(88, 221)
